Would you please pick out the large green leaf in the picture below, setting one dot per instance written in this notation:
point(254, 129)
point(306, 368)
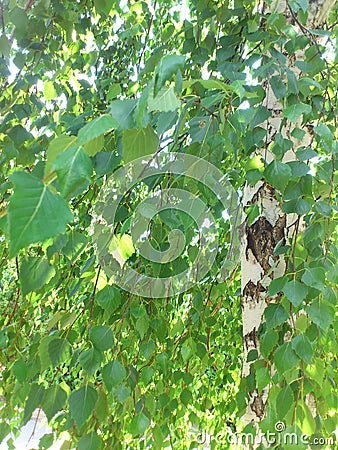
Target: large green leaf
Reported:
point(82, 403)
point(59, 351)
point(284, 401)
point(138, 142)
point(102, 337)
point(96, 127)
point(56, 146)
point(90, 441)
point(303, 347)
point(90, 360)
point(34, 273)
point(293, 112)
point(321, 313)
point(168, 66)
point(113, 374)
point(109, 298)
point(35, 213)
point(295, 292)
point(277, 174)
point(275, 315)
point(73, 168)
point(285, 358)
point(164, 101)
point(53, 401)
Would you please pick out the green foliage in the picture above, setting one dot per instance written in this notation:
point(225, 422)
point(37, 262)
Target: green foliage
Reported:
point(88, 87)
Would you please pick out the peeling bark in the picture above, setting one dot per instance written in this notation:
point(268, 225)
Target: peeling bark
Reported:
point(259, 265)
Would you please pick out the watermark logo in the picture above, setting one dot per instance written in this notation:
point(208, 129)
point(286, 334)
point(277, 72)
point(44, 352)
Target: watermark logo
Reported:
point(282, 435)
point(194, 200)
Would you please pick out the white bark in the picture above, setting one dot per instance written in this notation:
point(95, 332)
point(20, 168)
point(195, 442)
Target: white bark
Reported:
point(259, 266)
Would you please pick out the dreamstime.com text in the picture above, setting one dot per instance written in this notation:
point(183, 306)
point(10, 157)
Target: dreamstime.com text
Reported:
point(279, 437)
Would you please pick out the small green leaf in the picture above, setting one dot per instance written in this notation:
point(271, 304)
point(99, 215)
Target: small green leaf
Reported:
point(302, 346)
point(138, 142)
point(96, 127)
point(285, 358)
point(278, 174)
point(284, 402)
point(314, 277)
point(102, 337)
point(139, 424)
point(73, 168)
point(293, 112)
point(275, 315)
point(56, 146)
point(164, 101)
point(34, 273)
point(19, 370)
point(321, 313)
point(82, 403)
point(295, 292)
point(90, 360)
point(53, 401)
point(168, 66)
point(113, 374)
point(59, 351)
point(34, 213)
point(90, 441)
point(268, 341)
point(278, 86)
point(49, 90)
point(263, 378)
point(109, 298)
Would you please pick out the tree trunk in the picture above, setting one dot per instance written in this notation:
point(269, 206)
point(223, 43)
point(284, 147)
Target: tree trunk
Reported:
point(273, 226)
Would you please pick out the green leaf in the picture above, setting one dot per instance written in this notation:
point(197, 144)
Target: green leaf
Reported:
point(164, 101)
point(102, 337)
point(285, 400)
point(5, 46)
point(82, 403)
point(56, 146)
point(113, 374)
point(123, 112)
point(277, 285)
point(19, 370)
point(49, 90)
point(268, 341)
point(314, 277)
point(138, 142)
point(74, 169)
point(285, 358)
point(321, 313)
point(302, 346)
point(96, 127)
point(94, 145)
point(278, 86)
point(90, 360)
point(90, 441)
point(59, 351)
point(168, 66)
point(35, 396)
point(277, 174)
point(295, 292)
point(139, 424)
point(263, 378)
point(53, 401)
point(293, 112)
point(275, 315)
point(34, 213)
point(34, 273)
point(109, 298)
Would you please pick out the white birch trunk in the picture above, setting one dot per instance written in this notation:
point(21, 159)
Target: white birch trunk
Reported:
point(259, 265)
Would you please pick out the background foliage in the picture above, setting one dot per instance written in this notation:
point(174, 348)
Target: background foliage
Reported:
point(87, 86)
